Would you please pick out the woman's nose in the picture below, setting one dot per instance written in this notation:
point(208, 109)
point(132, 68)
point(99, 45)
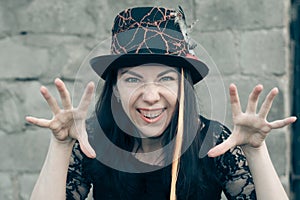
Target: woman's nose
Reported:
point(151, 93)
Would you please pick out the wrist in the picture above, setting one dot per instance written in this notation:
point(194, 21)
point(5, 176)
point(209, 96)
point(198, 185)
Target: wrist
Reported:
point(62, 143)
point(251, 152)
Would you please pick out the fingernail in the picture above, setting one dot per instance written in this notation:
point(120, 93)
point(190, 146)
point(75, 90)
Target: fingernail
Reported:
point(93, 154)
point(210, 153)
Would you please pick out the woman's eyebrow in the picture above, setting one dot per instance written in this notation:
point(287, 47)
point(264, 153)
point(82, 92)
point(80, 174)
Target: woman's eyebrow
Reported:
point(132, 73)
point(165, 72)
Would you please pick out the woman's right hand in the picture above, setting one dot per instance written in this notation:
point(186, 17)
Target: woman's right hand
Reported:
point(68, 123)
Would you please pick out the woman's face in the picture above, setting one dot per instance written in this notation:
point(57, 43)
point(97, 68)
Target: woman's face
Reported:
point(148, 95)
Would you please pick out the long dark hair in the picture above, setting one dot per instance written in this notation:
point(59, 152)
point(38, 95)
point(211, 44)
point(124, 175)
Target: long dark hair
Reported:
point(192, 170)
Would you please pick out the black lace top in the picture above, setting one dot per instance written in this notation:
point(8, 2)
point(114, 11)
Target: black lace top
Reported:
point(228, 173)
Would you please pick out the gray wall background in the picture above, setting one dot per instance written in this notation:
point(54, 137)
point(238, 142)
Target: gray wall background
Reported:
point(40, 40)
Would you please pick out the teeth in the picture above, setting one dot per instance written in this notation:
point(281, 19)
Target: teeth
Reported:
point(151, 115)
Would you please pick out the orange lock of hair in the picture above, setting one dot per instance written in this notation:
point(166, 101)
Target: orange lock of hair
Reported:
point(178, 141)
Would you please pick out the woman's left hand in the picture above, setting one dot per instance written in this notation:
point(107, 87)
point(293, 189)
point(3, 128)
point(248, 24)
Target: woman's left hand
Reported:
point(250, 128)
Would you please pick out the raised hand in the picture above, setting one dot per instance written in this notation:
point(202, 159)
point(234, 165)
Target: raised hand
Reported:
point(250, 128)
point(68, 123)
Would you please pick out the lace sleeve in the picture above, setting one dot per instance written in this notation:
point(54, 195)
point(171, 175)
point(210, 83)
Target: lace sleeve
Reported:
point(77, 186)
point(234, 172)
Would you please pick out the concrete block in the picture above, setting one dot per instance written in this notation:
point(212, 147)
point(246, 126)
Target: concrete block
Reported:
point(261, 14)
point(24, 152)
point(15, 4)
point(103, 16)
point(27, 182)
point(76, 58)
point(19, 100)
point(7, 20)
point(50, 40)
point(222, 48)
point(67, 53)
point(239, 14)
point(6, 187)
point(42, 16)
point(42, 61)
point(278, 150)
point(212, 98)
point(11, 120)
point(263, 52)
point(217, 15)
point(19, 61)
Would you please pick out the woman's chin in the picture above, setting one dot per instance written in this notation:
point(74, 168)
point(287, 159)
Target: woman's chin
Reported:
point(150, 132)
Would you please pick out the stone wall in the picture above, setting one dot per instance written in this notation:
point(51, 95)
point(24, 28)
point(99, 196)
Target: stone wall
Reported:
point(247, 43)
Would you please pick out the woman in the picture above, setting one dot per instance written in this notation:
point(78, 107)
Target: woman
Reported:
point(148, 110)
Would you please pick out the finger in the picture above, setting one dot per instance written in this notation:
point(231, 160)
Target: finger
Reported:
point(253, 99)
point(85, 145)
point(234, 100)
point(267, 104)
point(86, 97)
point(282, 123)
point(38, 121)
point(50, 100)
point(221, 148)
point(64, 93)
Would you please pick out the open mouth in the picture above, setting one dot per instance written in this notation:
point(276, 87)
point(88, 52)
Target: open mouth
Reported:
point(151, 115)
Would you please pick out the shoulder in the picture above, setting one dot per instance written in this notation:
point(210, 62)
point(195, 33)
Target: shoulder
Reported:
point(213, 131)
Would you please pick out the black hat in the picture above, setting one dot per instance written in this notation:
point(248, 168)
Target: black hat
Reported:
point(149, 35)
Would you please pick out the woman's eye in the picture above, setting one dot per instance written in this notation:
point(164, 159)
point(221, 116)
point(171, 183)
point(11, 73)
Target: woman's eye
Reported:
point(167, 78)
point(132, 80)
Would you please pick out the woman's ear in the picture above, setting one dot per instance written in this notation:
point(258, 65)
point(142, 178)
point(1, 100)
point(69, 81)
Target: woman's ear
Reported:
point(116, 92)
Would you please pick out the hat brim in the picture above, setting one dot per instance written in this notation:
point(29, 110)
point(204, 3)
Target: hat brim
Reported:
point(103, 64)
